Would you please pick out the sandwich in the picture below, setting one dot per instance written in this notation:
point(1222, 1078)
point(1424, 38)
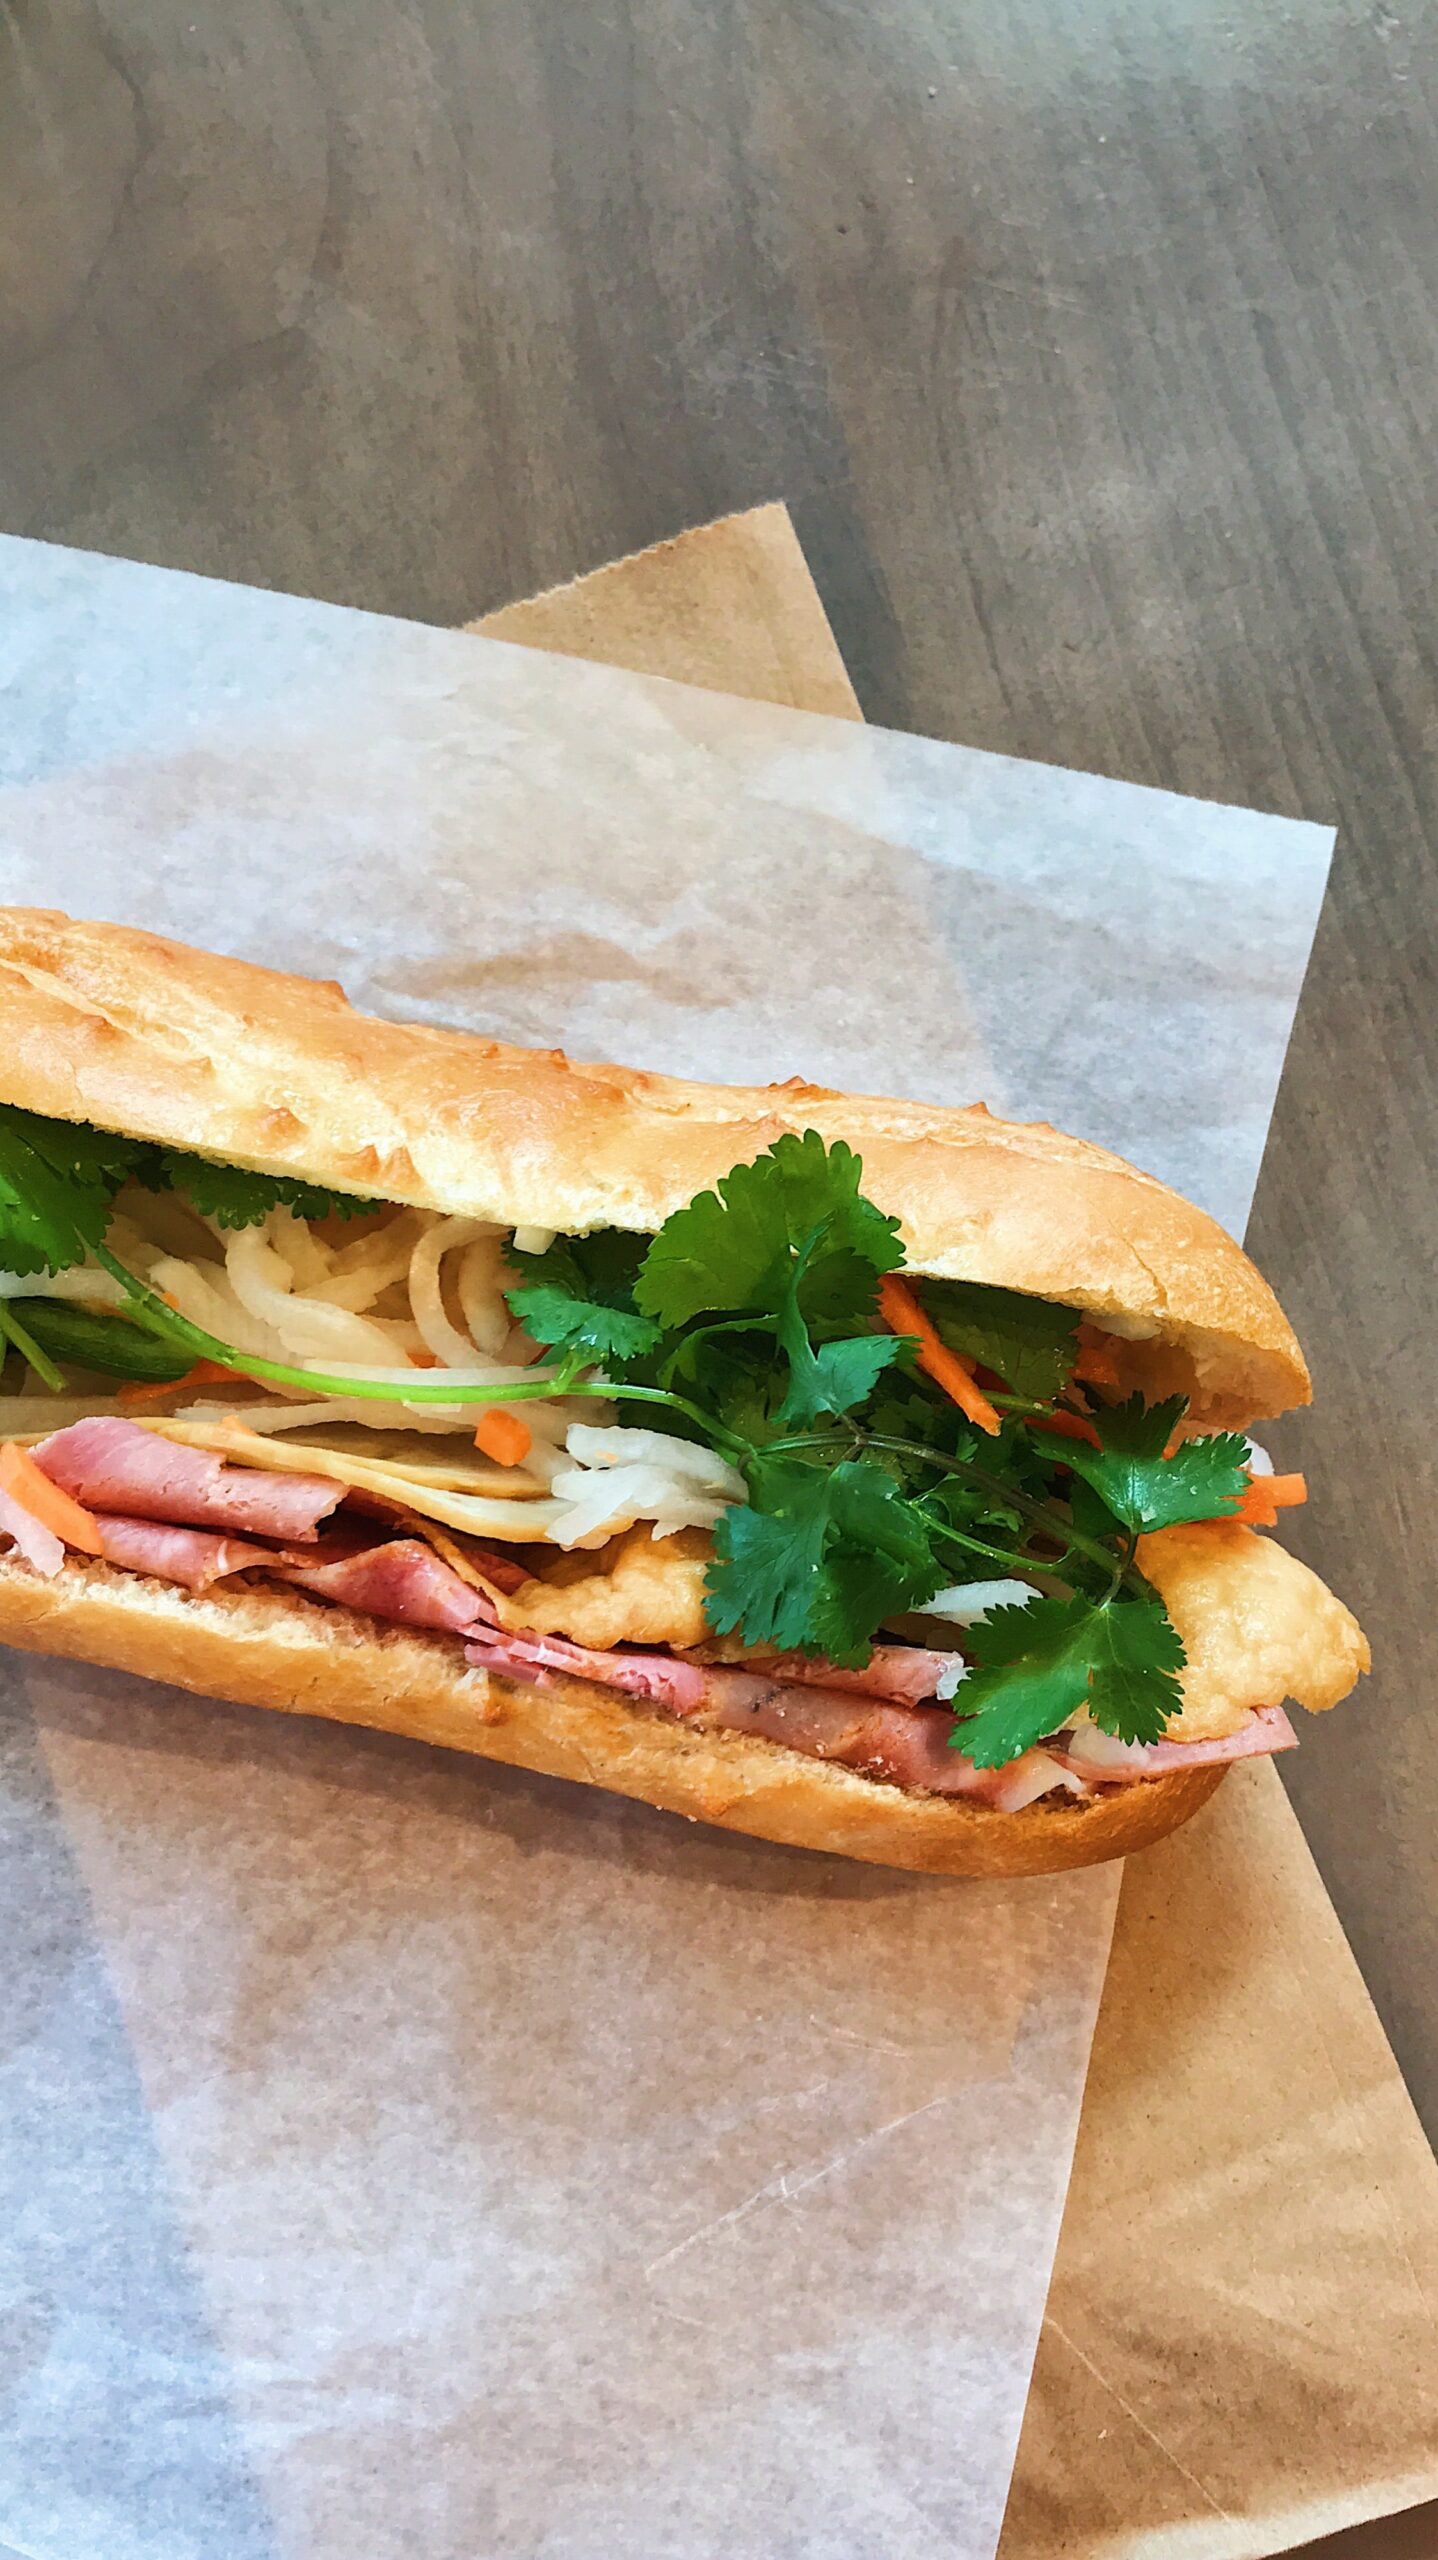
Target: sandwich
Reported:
point(856, 1474)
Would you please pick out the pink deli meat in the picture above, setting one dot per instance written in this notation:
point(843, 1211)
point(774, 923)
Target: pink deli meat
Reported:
point(403, 1579)
point(112, 1465)
point(1098, 1757)
point(194, 1557)
point(909, 1746)
point(905, 1673)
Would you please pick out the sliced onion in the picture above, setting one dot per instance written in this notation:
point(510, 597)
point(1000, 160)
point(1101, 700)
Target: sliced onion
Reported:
point(481, 1295)
point(450, 1347)
point(261, 1280)
point(1100, 1750)
point(1035, 1774)
point(684, 1462)
point(207, 1299)
point(963, 1604)
point(294, 1240)
point(361, 1271)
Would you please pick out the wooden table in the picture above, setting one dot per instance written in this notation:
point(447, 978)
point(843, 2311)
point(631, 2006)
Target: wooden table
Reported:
point(1094, 348)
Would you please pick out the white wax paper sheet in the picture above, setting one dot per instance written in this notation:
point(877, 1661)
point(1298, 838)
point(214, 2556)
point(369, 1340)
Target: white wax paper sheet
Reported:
point(399, 2155)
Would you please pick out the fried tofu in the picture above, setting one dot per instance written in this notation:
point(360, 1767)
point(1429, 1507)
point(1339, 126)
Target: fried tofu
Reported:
point(1257, 1626)
point(637, 1590)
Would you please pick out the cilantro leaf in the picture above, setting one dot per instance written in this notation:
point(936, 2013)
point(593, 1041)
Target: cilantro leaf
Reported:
point(818, 1558)
point(579, 1296)
point(57, 1181)
point(1029, 1675)
point(1028, 1342)
point(235, 1198)
point(908, 1412)
point(1144, 1489)
point(1035, 1666)
point(1136, 1657)
point(731, 1371)
point(736, 1247)
point(837, 1376)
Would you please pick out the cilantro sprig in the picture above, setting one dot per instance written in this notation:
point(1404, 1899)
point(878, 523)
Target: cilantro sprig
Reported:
point(579, 1296)
point(1035, 1667)
point(234, 1198)
point(1144, 1487)
point(750, 1321)
point(58, 1180)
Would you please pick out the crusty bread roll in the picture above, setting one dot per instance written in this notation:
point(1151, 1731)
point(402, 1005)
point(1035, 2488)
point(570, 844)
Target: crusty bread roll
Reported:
point(276, 1649)
point(279, 1074)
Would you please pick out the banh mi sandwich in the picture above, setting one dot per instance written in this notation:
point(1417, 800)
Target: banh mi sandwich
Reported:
point(856, 1474)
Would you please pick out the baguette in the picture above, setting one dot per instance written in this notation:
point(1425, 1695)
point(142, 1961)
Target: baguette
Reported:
point(278, 1075)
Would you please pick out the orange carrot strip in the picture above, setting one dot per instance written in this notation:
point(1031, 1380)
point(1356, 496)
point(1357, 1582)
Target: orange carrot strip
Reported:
point(902, 1313)
point(47, 1502)
point(205, 1373)
point(1264, 1497)
point(505, 1437)
point(1072, 1426)
point(1097, 1360)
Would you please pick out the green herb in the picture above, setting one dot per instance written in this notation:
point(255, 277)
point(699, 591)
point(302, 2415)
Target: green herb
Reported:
point(57, 1181)
point(834, 1377)
point(1028, 1342)
point(1035, 1666)
point(1140, 1486)
point(579, 1296)
point(234, 1198)
point(794, 1220)
point(818, 1558)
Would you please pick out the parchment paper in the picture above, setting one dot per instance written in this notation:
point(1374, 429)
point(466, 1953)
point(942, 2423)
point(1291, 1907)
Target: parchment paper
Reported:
point(507, 2169)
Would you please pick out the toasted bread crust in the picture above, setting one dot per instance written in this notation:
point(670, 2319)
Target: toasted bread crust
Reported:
point(278, 1073)
point(269, 1648)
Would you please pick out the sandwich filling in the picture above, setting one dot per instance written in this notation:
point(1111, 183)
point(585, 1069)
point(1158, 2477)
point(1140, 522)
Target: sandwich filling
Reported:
point(748, 1472)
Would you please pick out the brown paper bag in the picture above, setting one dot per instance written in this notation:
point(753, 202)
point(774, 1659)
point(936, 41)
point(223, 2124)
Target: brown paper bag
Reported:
point(1241, 2349)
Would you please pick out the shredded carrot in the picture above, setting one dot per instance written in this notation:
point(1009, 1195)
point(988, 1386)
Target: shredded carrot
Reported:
point(1073, 1426)
point(505, 1437)
point(1096, 1360)
point(205, 1373)
point(902, 1313)
point(47, 1502)
point(1265, 1496)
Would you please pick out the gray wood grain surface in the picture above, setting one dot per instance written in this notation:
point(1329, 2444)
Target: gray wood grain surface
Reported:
point(1095, 350)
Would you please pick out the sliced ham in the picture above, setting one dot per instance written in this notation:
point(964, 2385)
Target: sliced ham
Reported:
point(38, 1545)
point(909, 1746)
point(112, 1465)
point(403, 1579)
point(1097, 1756)
point(194, 1557)
point(905, 1673)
